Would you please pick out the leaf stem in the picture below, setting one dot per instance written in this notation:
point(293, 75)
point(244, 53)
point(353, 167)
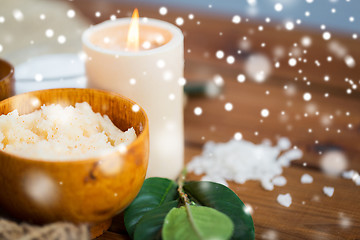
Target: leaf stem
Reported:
point(186, 201)
point(180, 183)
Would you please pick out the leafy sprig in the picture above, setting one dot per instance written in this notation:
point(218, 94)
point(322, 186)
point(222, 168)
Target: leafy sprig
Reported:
point(165, 209)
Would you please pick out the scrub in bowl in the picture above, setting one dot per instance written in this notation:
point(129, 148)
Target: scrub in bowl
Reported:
point(89, 186)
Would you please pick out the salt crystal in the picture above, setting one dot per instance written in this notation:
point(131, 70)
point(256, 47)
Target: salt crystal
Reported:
point(267, 185)
point(306, 179)
point(283, 143)
point(289, 156)
point(357, 181)
point(284, 199)
point(279, 181)
point(329, 191)
point(349, 174)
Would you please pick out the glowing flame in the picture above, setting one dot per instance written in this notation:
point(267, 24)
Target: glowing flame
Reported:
point(133, 34)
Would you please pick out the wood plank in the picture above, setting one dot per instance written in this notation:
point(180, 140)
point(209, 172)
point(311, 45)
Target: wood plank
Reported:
point(113, 236)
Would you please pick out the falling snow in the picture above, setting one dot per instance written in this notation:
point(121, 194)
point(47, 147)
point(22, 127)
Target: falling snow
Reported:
point(278, 7)
point(132, 81)
point(135, 108)
point(289, 25)
point(18, 15)
point(219, 80)
point(306, 41)
point(38, 77)
point(307, 96)
point(61, 39)
point(265, 112)
point(241, 78)
point(220, 54)
point(230, 59)
point(236, 19)
point(292, 62)
point(71, 13)
point(326, 35)
point(350, 62)
point(198, 111)
point(238, 136)
point(163, 11)
point(179, 21)
point(49, 33)
point(258, 67)
point(160, 63)
point(228, 107)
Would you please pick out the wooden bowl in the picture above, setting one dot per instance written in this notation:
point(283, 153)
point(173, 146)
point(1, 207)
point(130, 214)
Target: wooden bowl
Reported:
point(81, 191)
point(6, 79)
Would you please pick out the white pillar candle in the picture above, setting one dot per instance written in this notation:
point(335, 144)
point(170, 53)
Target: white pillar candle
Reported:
point(151, 75)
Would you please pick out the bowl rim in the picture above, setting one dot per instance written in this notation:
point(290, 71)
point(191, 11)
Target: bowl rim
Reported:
point(12, 69)
point(139, 138)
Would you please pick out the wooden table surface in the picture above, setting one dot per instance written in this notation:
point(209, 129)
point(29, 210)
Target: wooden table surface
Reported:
point(312, 215)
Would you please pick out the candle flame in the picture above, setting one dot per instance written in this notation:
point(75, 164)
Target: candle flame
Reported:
point(133, 34)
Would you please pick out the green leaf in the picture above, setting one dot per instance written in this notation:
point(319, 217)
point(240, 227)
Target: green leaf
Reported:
point(196, 223)
point(151, 223)
point(154, 193)
point(218, 196)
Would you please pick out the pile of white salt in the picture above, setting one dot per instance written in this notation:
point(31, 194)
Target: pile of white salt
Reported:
point(240, 160)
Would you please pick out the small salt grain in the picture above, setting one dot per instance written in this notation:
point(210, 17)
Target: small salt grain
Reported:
point(329, 191)
point(349, 174)
point(279, 181)
point(289, 156)
point(284, 199)
point(267, 185)
point(284, 143)
point(357, 180)
point(306, 179)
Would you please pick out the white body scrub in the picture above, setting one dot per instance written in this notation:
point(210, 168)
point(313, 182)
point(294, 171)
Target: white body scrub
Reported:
point(57, 133)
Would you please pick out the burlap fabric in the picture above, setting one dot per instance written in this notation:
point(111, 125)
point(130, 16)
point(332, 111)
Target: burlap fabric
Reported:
point(10, 230)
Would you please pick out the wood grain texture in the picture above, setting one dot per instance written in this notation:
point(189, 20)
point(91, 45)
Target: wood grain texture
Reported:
point(87, 190)
point(312, 214)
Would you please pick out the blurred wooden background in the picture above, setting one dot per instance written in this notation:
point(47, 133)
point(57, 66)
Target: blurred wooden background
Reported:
point(332, 115)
